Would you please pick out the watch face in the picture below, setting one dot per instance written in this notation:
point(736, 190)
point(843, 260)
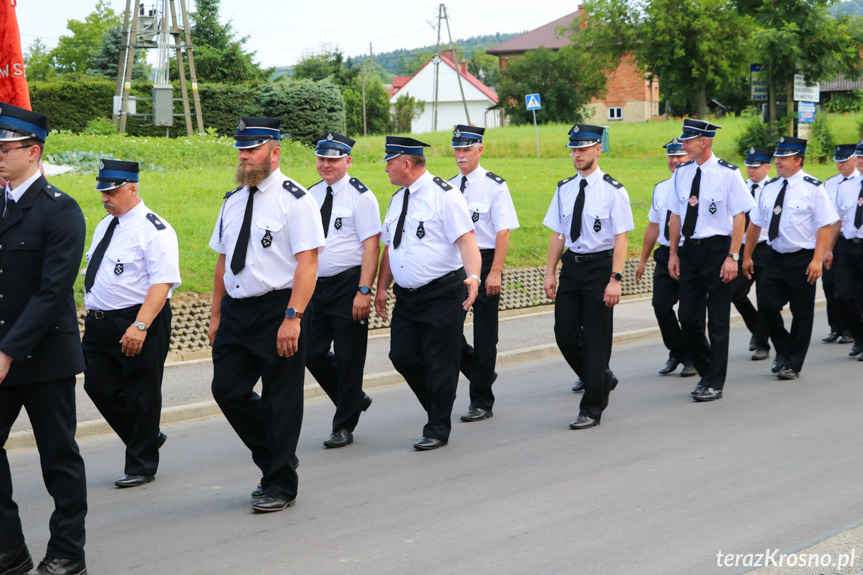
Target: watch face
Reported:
point(364, 290)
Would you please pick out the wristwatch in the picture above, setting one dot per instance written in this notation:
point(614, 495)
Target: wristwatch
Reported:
point(291, 313)
point(617, 275)
point(140, 325)
point(365, 290)
point(478, 280)
point(735, 257)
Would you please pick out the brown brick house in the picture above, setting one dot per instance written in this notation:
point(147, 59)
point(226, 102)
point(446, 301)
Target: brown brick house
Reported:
point(629, 96)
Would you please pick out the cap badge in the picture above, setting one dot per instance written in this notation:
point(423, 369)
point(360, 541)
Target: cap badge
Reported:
point(751, 150)
point(675, 141)
point(1, 110)
point(101, 165)
point(575, 129)
point(329, 136)
point(782, 140)
point(457, 133)
point(241, 126)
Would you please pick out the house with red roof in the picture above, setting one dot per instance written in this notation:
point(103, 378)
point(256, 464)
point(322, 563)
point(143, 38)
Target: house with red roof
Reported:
point(629, 96)
point(481, 100)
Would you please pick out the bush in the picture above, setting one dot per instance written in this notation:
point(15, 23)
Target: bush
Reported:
point(757, 133)
point(820, 145)
point(308, 109)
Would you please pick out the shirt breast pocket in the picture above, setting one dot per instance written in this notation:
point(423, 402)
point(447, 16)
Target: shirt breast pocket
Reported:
point(269, 230)
point(599, 219)
point(478, 211)
point(420, 222)
point(122, 262)
point(20, 256)
point(798, 211)
point(715, 201)
point(343, 221)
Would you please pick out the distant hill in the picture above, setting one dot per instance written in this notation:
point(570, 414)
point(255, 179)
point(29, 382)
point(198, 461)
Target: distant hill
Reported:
point(851, 7)
point(396, 61)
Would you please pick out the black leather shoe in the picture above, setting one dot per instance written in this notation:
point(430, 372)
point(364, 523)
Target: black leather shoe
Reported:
point(670, 366)
point(161, 439)
point(698, 389)
point(367, 402)
point(831, 337)
point(339, 438)
point(258, 492)
point(752, 345)
point(688, 371)
point(777, 365)
point(428, 443)
point(857, 349)
point(268, 504)
point(708, 394)
point(760, 354)
point(579, 385)
point(787, 373)
point(846, 339)
point(15, 560)
point(477, 414)
point(860, 358)
point(54, 566)
point(134, 480)
point(583, 422)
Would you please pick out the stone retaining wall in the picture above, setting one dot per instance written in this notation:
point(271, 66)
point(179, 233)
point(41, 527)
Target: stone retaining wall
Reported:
point(522, 288)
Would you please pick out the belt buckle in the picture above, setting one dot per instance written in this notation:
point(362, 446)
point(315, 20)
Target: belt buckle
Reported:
point(98, 314)
point(576, 258)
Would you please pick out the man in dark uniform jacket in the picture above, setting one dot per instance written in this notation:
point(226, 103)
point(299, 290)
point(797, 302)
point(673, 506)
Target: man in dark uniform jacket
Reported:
point(41, 243)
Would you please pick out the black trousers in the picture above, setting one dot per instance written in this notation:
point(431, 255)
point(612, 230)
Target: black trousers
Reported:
point(740, 287)
point(51, 408)
point(339, 372)
point(849, 287)
point(244, 351)
point(702, 291)
point(828, 283)
point(128, 390)
point(583, 328)
point(478, 361)
point(425, 345)
point(665, 296)
point(784, 281)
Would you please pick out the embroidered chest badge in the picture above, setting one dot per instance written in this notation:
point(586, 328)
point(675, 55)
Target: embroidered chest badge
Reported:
point(712, 207)
point(474, 217)
point(693, 201)
point(597, 225)
point(421, 231)
point(118, 269)
point(777, 210)
point(338, 223)
point(267, 240)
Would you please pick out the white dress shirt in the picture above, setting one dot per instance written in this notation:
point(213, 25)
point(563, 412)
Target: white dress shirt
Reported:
point(489, 205)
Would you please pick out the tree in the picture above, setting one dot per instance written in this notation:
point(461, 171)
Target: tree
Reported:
point(407, 109)
point(328, 63)
point(219, 57)
point(485, 67)
point(799, 36)
point(377, 107)
point(39, 62)
point(308, 109)
point(105, 61)
point(693, 46)
point(566, 79)
point(74, 53)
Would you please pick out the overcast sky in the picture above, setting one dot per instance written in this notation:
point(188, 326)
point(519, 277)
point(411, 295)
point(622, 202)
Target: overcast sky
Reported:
point(281, 31)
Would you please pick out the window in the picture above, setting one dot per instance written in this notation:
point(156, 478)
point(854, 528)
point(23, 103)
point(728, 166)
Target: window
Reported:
point(615, 113)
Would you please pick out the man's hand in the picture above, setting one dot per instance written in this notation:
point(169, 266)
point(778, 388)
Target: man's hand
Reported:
point(472, 290)
point(381, 304)
point(287, 340)
point(748, 268)
point(828, 259)
point(492, 283)
point(674, 266)
point(639, 271)
point(362, 306)
point(550, 286)
point(5, 364)
point(728, 271)
point(214, 327)
point(612, 293)
point(132, 341)
point(813, 272)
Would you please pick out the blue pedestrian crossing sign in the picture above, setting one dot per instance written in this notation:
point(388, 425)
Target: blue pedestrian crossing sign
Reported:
point(532, 101)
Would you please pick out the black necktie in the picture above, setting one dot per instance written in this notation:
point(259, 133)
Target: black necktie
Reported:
point(667, 224)
point(692, 208)
point(773, 232)
point(463, 183)
point(577, 210)
point(238, 260)
point(858, 217)
point(96, 260)
point(327, 210)
point(746, 214)
point(10, 203)
point(397, 239)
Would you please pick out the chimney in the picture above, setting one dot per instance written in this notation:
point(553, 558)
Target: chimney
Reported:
point(462, 67)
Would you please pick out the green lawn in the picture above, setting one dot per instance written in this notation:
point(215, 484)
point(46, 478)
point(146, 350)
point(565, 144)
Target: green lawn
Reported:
point(192, 176)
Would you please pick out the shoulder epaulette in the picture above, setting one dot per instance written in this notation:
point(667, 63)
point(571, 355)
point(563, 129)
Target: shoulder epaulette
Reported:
point(612, 181)
point(811, 180)
point(360, 187)
point(494, 177)
point(53, 192)
point(686, 163)
point(727, 165)
point(232, 192)
point(154, 219)
point(442, 183)
point(560, 183)
point(292, 187)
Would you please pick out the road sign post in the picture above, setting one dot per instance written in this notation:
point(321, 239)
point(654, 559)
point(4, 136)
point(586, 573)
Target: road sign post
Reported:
point(532, 102)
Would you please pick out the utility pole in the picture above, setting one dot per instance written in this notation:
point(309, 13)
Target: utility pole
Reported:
point(457, 65)
point(363, 75)
point(436, 61)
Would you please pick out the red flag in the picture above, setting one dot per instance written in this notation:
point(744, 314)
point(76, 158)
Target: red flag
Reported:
point(13, 83)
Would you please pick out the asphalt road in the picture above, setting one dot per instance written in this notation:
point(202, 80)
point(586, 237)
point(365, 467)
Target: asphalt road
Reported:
point(662, 486)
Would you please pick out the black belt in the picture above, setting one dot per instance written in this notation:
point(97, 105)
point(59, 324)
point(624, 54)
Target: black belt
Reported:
point(436, 281)
point(269, 295)
point(854, 240)
point(578, 258)
point(341, 275)
point(486, 252)
point(102, 314)
point(697, 241)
